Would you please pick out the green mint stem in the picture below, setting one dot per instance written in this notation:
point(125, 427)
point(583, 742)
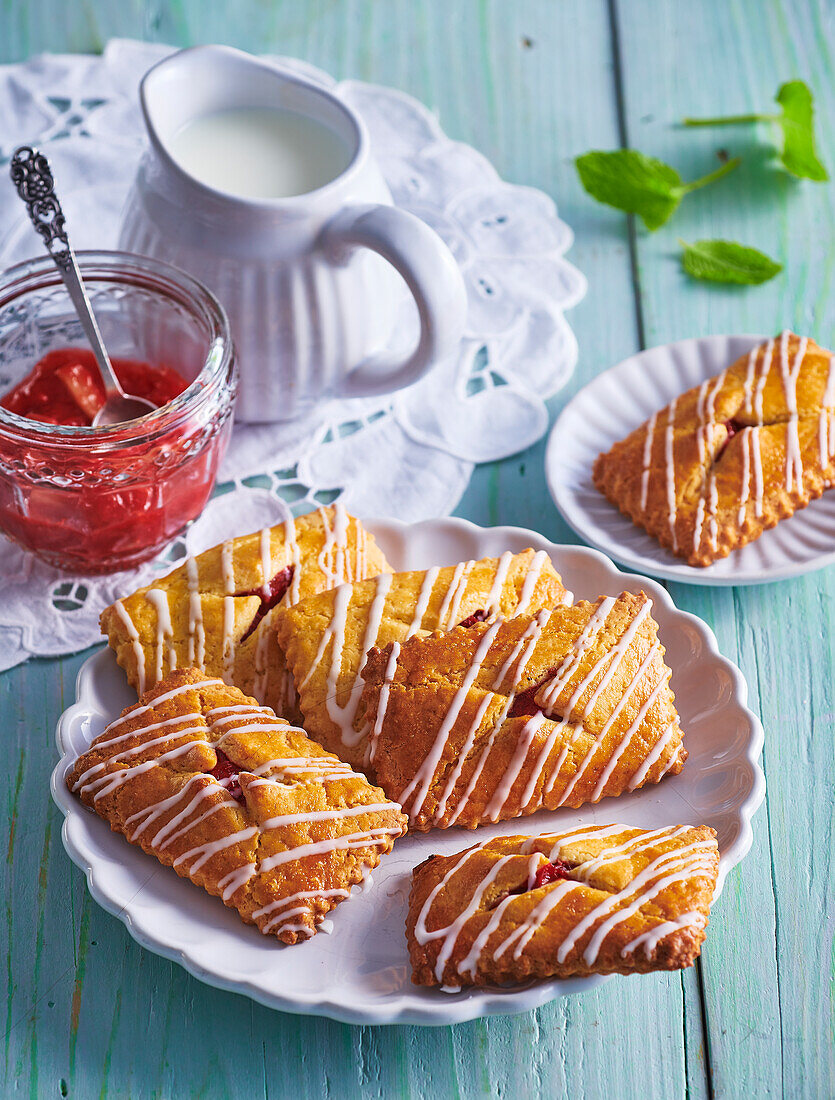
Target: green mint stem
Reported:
point(717, 175)
point(729, 120)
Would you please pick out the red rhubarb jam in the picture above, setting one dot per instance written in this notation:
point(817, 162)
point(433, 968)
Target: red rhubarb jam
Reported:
point(100, 499)
point(65, 387)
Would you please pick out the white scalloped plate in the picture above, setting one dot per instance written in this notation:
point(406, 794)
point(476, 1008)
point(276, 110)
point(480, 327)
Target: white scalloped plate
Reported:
point(620, 400)
point(360, 972)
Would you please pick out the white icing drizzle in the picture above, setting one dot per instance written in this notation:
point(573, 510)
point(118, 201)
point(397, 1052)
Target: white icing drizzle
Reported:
point(632, 729)
point(789, 375)
point(419, 785)
point(262, 668)
point(503, 788)
point(669, 867)
point(603, 670)
point(285, 820)
point(426, 586)
point(227, 647)
point(650, 940)
point(614, 656)
point(292, 549)
point(266, 560)
point(756, 454)
point(282, 917)
point(826, 426)
point(173, 734)
point(494, 597)
point(232, 882)
point(677, 867)
point(382, 702)
point(343, 716)
point(647, 459)
point(333, 555)
point(158, 599)
point(370, 838)
point(454, 595)
point(188, 807)
point(138, 651)
point(618, 852)
point(518, 661)
point(531, 577)
point(705, 433)
point(449, 934)
point(765, 367)
point(572, 660)
point(199, 855)
point(671, 472)
point(747, 387)
point(196, 632)
point(657, 751)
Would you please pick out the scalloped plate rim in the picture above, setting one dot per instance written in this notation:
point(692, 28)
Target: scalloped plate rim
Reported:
point(410, 1007)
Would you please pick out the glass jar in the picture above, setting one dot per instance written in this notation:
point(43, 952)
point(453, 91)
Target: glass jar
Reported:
point(96, 500)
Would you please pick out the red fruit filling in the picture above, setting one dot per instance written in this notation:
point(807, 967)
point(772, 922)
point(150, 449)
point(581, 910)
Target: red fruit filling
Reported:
point(732, 427)
point(226, 773)
point(479, 616)
point(547, 873)
point(65, 387)
point(550, 872)
point(523, 705)
point(271, 593)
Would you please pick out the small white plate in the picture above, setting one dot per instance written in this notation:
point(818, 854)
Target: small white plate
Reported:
point(620, 400)
point(360, 973)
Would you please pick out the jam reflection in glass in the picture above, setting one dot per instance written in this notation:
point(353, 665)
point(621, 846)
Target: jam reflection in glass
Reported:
point(96, 500)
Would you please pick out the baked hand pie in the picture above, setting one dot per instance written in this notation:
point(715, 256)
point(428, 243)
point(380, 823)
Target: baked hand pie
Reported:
point(500, 720)
point(237, 801)
point(732, 457)
point(216, 611)
point(596, 899)
point(325, 638)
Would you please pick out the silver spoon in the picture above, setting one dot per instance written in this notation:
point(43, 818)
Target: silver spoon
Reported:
point(32, 177)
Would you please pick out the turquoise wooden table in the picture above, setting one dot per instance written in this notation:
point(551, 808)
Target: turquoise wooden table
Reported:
point(532, 83)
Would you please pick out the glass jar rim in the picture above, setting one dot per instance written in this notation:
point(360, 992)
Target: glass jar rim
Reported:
point(130, 269)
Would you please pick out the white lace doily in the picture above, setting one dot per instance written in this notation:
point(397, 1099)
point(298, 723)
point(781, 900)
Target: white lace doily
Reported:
point(409, 456)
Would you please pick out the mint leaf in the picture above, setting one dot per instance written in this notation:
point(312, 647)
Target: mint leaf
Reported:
point(630, 181)
point(796, 121)
point(799, 155)
point(727, 262)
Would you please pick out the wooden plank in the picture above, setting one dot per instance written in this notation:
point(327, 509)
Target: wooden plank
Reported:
point(531, 108)
point(202, 1039)
point(765, 1038)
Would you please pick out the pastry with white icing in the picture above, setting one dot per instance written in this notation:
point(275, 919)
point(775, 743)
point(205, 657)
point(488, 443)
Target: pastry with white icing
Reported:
point(730, 458)
point(325, 638)
point(216, 611)
point(596, 899)
point(502, 719)
point(238, 801)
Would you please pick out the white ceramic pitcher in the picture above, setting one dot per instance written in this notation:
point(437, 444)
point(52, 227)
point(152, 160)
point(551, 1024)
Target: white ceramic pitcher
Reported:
point(310, 301)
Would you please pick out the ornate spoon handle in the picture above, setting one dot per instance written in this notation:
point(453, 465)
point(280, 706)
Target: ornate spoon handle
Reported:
point(32, 177)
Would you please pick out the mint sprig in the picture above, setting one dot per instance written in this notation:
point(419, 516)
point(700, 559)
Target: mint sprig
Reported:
point(630, 181)
point(727, 262)
point(796, 120)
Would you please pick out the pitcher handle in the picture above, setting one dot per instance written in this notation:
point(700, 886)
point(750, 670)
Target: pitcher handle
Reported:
point(431, 274)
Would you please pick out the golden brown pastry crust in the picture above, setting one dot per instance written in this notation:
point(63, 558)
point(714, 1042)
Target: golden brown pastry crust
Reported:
point(732, 457)
point(208, 613)
point(280, 831)
point(498, 721)
point(325, 638)
point(626, 900)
